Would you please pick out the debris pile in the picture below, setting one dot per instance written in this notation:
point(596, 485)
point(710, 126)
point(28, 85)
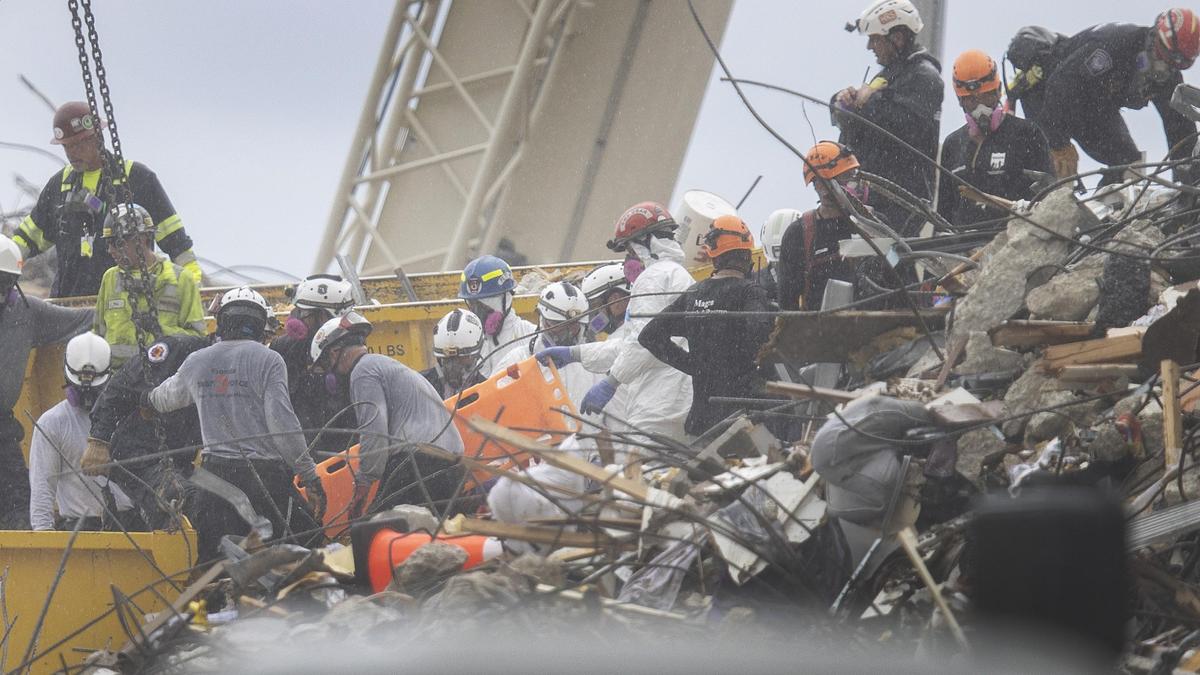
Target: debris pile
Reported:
point(1022, 473)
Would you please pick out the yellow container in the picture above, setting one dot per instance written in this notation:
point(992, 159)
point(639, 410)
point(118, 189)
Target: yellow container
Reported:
point(97, 562)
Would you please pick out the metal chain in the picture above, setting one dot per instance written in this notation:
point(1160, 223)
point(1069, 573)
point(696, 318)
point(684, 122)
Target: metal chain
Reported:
point(140, 288)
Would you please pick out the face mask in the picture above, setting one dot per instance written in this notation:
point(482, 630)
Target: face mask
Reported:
point(455, 371)
point(80, 397)
point(633, 268)
point(983, 115)
point(491, 312)
point(599, 323)
point(857, 189)
point(332, 385)
point(295, 328)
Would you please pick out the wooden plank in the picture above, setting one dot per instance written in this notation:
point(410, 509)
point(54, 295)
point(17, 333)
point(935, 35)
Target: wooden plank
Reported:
point(1030, 333)
point(804, 391)
point(908, 540)
point(832, 337)
point(1104, 350)
point(1172, 418)
point(564, 460)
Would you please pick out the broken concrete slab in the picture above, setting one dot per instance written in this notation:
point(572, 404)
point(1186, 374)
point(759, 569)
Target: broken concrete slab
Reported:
point(428, 567)
point(977, 447)
point(982, 357)
point(999, 292)
point(1069, 296)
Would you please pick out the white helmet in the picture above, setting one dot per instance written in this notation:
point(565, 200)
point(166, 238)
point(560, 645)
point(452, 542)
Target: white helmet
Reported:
point(122, 222)
point(333, 330)
point(884, 15)
point(324, 291)
point(459, 333)
point(246, 297)
point(562, 301)
point(11, 259)
point(771, 234)
point(604, 279)
point(88, 360)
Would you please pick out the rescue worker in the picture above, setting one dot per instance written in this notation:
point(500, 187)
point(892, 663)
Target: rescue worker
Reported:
point(71, 209)
point(129, 236)
point(808, 253)
point(1113, 66)
point(395, 406)
point(487, 287)
point(904, 98)
point(659, 396)
point(316, 299)
point(25, 323)
point(252, 438)
point(562, 323)
point(994, 151)
point(770, 237)
point(607, 291)
point(120, 434)
point(60, 495)
point(721, 353)
point(457, 343)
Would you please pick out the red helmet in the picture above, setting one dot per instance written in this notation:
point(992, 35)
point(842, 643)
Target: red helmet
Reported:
point(1177, 37)
point(640, 220)
point(73, 120)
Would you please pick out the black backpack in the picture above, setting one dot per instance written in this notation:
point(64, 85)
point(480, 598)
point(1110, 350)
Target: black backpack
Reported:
point(1033, 52)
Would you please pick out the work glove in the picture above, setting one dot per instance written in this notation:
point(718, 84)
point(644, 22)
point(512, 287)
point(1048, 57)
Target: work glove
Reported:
point(1065, 160)
point(599, 395)
point(95, 456)
point(145, 408)
point(314, 492)
point(561, 356)
point(358, 503)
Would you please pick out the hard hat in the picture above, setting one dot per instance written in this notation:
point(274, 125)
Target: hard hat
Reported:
point(771, 234)
point(484, 277)
point(335, 329)
point(324, 291)
point(243, 301)
point(89, 358)
point(603, 279)
point(459, 333)
point(562, 301)
point(121, 222)
point(640, 220)
point(11, 260)
point(975, 73)
point(1177, 37)
point(829, 159)
point(727, 233)
point(884, 15)
point(73, 120)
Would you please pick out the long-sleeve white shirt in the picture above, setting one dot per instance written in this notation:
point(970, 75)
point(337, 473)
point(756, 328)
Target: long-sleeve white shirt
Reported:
point(57, 446)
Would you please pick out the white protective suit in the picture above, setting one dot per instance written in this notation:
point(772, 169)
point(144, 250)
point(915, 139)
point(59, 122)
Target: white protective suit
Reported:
point(514, 502)
point(574, 376)
point(495, 348)
point(597, 358)
point(658, 396)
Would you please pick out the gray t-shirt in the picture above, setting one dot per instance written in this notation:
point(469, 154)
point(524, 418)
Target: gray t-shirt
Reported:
point(23, 328)
point(404, 406)
point(240, 390)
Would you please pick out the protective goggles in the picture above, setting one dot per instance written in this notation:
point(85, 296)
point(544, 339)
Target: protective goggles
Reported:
point(975, 85)
point(714, 234)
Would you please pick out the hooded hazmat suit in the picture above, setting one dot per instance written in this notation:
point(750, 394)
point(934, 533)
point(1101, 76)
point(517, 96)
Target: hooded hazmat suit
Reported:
point(658, 396)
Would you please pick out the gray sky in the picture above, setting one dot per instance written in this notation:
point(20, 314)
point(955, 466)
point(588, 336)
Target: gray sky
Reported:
point(245, 108)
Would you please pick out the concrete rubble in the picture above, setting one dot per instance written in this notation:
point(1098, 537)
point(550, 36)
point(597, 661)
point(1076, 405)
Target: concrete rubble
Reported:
point(737, 537)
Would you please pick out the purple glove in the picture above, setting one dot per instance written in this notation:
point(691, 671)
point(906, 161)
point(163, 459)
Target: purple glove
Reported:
point(561, 356)
point(598, 396)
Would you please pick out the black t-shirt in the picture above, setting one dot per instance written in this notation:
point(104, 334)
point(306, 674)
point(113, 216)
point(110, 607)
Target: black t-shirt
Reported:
point(995, 165)
point(721, 355)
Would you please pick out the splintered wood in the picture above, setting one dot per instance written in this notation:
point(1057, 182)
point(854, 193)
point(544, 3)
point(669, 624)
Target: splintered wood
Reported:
point(1126, 346)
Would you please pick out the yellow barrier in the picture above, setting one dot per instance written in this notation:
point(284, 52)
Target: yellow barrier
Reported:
point(98, 562)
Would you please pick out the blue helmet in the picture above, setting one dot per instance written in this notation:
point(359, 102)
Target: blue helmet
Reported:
point(484, 277)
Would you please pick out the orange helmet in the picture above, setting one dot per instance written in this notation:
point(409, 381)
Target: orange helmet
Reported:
point(974, 73)
point(727, 233)
point(829, 160)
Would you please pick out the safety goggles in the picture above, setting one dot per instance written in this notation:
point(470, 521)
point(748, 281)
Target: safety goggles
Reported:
point(1171, 57)
point(975, 85)
point(714, 234)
